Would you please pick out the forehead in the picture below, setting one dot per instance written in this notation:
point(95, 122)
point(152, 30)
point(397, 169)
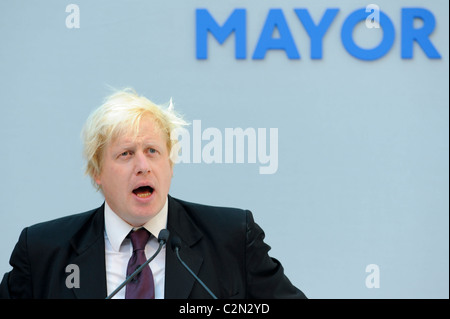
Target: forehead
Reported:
point(145, 129)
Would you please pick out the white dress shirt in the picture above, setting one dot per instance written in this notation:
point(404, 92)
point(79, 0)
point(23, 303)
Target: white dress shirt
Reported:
point(118, 251)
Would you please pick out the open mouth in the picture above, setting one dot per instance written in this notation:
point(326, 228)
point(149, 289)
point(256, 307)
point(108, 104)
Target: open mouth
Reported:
point(143, 191)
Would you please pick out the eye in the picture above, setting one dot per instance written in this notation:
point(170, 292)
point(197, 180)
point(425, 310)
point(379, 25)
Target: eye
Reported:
point(125, 154)
point(152, 151)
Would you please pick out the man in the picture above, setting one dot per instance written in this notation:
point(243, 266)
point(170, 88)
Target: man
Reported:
point(129, 154)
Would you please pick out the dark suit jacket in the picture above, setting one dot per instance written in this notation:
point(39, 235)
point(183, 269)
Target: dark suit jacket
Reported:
point(223, 246)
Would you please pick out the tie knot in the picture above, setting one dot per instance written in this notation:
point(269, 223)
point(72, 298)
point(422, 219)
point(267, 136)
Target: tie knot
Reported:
point(139, 238)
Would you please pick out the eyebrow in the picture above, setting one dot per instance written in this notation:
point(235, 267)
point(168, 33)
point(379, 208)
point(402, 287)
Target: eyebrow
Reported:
point(131, 144)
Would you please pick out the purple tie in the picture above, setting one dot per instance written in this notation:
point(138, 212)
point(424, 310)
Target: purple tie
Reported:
point(142, 286)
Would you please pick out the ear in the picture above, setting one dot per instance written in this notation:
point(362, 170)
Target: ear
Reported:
point(98, 180)
point(171, 168)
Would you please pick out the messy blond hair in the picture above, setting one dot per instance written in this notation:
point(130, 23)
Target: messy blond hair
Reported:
point(121, 114)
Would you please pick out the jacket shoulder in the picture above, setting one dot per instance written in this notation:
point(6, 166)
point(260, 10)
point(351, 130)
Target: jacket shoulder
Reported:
point(227, 217)
point(221, 226)
point(59, 230)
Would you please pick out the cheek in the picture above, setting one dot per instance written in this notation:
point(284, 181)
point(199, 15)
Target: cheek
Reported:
point(114, 188)
point(111, 178)
point(167, 173)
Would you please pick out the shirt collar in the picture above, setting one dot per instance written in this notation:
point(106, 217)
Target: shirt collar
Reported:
point(117, 229)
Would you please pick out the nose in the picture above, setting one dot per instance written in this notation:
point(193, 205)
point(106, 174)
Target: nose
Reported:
point(142, 164)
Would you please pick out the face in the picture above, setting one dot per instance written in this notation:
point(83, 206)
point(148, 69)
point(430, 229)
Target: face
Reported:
point(136, 174)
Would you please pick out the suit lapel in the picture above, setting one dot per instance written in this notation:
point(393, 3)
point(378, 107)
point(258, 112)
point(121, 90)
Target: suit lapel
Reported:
point(179, 282)
point(89, 247)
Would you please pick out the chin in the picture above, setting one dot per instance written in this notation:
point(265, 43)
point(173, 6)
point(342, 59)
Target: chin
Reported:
point(140, 218)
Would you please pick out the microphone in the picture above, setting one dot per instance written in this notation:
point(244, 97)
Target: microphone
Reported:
point(162, 238)
point(176, 246)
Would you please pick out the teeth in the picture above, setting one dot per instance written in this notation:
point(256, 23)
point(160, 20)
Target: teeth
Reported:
point(144, 194)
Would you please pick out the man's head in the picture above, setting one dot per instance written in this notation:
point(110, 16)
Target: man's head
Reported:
point(127, 147)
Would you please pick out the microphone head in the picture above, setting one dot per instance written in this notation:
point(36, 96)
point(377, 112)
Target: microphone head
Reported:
point(175, 242)
point(163, 236)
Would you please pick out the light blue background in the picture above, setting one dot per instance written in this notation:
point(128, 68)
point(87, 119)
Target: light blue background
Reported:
point(363, 146)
